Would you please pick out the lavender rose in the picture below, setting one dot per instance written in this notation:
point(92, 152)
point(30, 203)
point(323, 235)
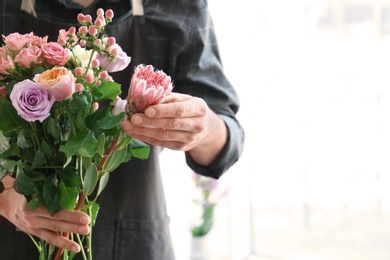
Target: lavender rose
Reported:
point(31, 100)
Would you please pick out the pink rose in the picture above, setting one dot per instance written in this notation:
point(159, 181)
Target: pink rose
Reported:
point(16, 41)
point(147, 87)
point(3, 52)
point(58, 81)
point(120, 62)
point(6, 65)
point(54, 54)
point(35, 40)
point(28, 57)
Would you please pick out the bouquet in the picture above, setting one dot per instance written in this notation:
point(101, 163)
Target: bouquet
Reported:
point(61, 115)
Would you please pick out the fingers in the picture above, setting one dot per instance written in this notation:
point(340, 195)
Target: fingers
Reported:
point(179, 108)
point(41, 223)
point(57, 240)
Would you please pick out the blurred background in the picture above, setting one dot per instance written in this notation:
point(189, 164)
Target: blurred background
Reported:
point(314, 179)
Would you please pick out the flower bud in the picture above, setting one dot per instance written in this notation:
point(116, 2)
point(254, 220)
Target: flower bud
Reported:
point(109, 14)
point(80, 17)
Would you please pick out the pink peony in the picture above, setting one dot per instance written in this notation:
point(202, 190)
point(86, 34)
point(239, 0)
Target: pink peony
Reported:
point(29, 57)
point(31, 100)
point(147, 87)
point(54, 54)
point(59, 81)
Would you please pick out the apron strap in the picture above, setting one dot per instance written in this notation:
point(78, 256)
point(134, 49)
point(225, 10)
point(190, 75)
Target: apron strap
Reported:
point(138, 8)
point(29, 7)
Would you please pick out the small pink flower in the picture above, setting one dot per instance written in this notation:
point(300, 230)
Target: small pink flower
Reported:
point(54, 54)
point(111, 41)
point(79, 87)
point(93, 30)
point(79, 71)
point(103, 74)
point(95, 106)
point(88, 18)
point(100, 12)
point(89, 78)
point(95, 63)
point(147, 87)
point(28, 57)
point(81, 17)
point(109, 14)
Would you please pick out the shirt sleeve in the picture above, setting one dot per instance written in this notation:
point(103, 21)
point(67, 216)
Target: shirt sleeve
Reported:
point(199, 72)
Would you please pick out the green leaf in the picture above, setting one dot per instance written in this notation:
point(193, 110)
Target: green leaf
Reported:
point(53, 127)
point(108, 90)
point(83, 144)
point(94, 212)
point(22, 140)
point(114, 160)
point(90, 179)
point(39, 159)
point(124, 141)
point(80, 101)
point(8, 165)
point(49, 194)
point(101, 144)
point(4, 142)
point(107, 123)
point(70, 178)
point(102, 183)
point(46, 149)
point(34, 203)
point(139, 149)
point(23, 184)
point(67, 196)
point(80, 121)
point(10, 120)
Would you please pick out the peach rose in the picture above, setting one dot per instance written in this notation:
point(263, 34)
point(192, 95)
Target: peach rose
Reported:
point(59, 81)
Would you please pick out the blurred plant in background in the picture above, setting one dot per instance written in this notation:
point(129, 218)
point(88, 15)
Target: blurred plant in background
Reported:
point(208, 194)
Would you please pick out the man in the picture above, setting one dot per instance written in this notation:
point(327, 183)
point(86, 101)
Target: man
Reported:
point(198, 118)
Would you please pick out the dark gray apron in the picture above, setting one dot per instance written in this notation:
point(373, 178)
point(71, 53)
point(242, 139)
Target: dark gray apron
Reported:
point(132, 223)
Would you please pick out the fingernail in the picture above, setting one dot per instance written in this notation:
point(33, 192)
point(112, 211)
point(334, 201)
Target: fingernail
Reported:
point(150, 112)
point(127, 126)
point(83, 230)
point(84, 220)
point(75, 249)
point(137, 120)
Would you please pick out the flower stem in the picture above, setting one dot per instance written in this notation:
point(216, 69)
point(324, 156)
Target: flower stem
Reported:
point(83, 196)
